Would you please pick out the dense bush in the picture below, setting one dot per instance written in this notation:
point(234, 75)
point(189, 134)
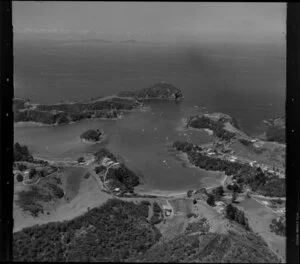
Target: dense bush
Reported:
point(245, 142)
point(234, 197)
point(30, 200)
point(235, 187)
point(19, 104)
point(185, 146)
point(32, 173)
point(123, 177)
point(56, 190)
point(102, 153)
point(21, 166)
point(211, 200)
point(157, 216)
point(200, 226)
point(57, 180)
point(233, 213)
point(278, 226)
point(189, 193)
point(274, 187)
point(211, 248)
point(189, 215)
point(275, 133)
point(21, 153)
point(145, 202)
point(19, 177)
point(80, 159)
point(155, 219)
point(219, 191)
point(100, 169)
point(116, 231)
point(87, 175)
point(156, 208)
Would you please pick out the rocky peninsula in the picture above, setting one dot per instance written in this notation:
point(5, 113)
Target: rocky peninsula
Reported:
point(109, 107)
point(222, 125)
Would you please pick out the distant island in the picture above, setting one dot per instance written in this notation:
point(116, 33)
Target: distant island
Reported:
point(92, 135)
point(109, 107)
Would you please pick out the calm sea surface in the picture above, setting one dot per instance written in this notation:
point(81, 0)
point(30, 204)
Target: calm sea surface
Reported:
point(245, 81)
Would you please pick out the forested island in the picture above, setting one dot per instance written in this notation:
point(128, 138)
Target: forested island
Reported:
point(92, 135)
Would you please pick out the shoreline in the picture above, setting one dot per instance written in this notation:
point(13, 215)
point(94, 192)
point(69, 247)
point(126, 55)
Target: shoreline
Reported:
point(21, 124)
point(175, 194)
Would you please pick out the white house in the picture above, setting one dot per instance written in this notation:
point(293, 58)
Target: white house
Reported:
point(167, 210)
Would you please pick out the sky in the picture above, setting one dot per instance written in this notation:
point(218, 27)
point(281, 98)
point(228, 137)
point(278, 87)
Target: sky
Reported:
point(154, 20)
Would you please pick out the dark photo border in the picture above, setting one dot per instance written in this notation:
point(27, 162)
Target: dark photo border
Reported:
point(292, 118)
point(6, 131)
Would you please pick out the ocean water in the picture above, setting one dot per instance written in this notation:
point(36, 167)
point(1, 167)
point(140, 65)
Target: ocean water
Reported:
point(244, 81)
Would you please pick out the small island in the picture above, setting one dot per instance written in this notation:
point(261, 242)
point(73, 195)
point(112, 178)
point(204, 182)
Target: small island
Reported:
point(91, 135)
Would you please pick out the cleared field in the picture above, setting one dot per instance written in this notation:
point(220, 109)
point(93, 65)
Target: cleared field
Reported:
point(270, 153)
point(72, 179)
point(260, 218)
point(85, 195)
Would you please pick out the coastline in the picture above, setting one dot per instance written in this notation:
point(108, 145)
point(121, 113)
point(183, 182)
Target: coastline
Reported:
point(21, 124)
point(183, 128)
point(178, 194)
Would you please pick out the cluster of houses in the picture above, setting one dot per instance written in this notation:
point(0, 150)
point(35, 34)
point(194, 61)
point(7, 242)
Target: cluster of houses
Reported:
point(253, 163)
